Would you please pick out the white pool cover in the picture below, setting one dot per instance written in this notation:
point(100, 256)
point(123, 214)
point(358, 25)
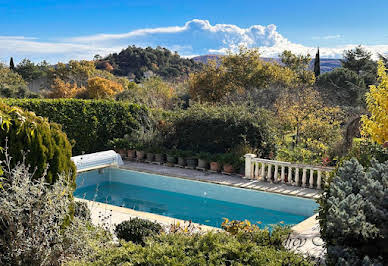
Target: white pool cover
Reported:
point(97, 160)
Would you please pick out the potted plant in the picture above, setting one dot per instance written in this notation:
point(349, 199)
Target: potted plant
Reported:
point(131, 151)
point(191, 160)
point(228, 161)
point(215, 162)
point(181, 158)
point(172, 156)
point(149, 155)
point(239, 165)
point(119, 145)
point(203, 160)
point(140, 154)
point(159, 154)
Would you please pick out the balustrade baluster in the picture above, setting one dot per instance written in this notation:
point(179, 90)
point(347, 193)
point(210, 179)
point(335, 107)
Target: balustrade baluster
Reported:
point(256, 174)
point(262, 177)
point(319, 180)
point(269, 173)
point(304, 177)
point(311, 181)
point(289, 177)
point(296, 176)
point(283, 173)
point(275, 178)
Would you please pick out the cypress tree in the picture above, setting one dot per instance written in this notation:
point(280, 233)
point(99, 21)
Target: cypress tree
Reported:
point(11, 64)
point(317, 66)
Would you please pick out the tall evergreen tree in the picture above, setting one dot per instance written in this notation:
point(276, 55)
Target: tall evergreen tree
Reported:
point(317, 66)
point(11, 64)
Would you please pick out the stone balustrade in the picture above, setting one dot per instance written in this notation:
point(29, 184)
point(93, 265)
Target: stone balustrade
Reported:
point(285, 172)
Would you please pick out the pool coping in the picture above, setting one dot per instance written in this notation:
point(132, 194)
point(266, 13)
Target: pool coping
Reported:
point(228, 180)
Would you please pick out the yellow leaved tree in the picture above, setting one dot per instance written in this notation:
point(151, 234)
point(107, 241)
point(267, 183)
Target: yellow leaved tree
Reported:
point(376, 124)
point(100, 88)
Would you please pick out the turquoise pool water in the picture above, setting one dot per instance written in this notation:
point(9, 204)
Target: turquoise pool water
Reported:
point(200, 202)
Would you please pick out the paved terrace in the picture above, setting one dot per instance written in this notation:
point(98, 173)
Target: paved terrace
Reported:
point(230, 180)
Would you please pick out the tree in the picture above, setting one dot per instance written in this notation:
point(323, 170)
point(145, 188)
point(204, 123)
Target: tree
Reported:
point(312, 125)
point(360, 61)
point(31, 71)
point(61, 89)
point(353, 214)
point(317, 66)
point(299, 64)
point(341, 86)
point(239, 73)
point(376, 125)
point(11, 64)
point(12, 84)
point(100, 88)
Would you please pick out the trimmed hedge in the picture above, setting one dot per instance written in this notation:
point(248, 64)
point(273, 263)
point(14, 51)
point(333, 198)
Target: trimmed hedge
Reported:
point(43, 144)
point(89, 123)
point(220, 129)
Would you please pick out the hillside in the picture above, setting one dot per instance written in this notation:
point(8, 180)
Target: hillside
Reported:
point(327, 64)
point(137, 63)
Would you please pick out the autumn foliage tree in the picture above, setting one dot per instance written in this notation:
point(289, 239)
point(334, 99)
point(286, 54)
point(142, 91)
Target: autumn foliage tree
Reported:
point(312, 125)
point(241, 73)
point(61, 89)
point(100, 88)
point(376, 124)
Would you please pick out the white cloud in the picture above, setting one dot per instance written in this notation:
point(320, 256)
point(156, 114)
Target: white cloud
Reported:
point(328, 37)
point(194, 37)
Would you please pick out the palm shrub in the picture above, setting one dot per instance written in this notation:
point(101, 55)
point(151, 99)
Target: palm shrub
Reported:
point(354, 214)
point(40, 144)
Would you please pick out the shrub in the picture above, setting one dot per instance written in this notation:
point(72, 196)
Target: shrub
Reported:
point(44, 143)
point(32, 215)
point(90, 123)
point(81, 210)
point(354, 215)
point(212, 248)
point(220, 129)
point(136, 230)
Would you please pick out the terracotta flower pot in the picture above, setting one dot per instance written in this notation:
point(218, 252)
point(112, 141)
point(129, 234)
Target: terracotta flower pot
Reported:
point(131, 154)
point(215, 166)
point(159, 158)
point(181, 161)
point(202, 164)
point(150, 156)
point(140, 155)
point(228, 168)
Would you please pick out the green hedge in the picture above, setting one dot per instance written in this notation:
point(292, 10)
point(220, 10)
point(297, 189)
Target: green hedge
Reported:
point(221, 129)
point(89, 123)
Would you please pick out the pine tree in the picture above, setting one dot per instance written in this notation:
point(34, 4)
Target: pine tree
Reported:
point(11, 64)
point(317, 67)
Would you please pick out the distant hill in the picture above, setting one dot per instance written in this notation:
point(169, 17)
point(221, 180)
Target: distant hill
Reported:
point(137, 63)
point(327, 64)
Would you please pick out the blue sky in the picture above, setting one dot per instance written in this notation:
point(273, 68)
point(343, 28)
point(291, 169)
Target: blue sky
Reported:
point(62, 30)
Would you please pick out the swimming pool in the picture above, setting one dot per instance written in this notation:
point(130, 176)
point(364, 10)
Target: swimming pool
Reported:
point(200, 202)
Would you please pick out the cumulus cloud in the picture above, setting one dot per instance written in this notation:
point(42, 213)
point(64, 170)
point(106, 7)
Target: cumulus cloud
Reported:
point(194, 37)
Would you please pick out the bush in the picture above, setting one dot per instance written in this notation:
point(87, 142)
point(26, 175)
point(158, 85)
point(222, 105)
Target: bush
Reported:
point(32, 218)
point(81, 210)
point(212, 248)
point(90, 123)
point(354, 214)
point(220, 129)
point(136, 230)
point(44, 143)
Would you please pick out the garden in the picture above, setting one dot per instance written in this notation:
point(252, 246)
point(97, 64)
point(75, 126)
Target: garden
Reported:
point(276, 112)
